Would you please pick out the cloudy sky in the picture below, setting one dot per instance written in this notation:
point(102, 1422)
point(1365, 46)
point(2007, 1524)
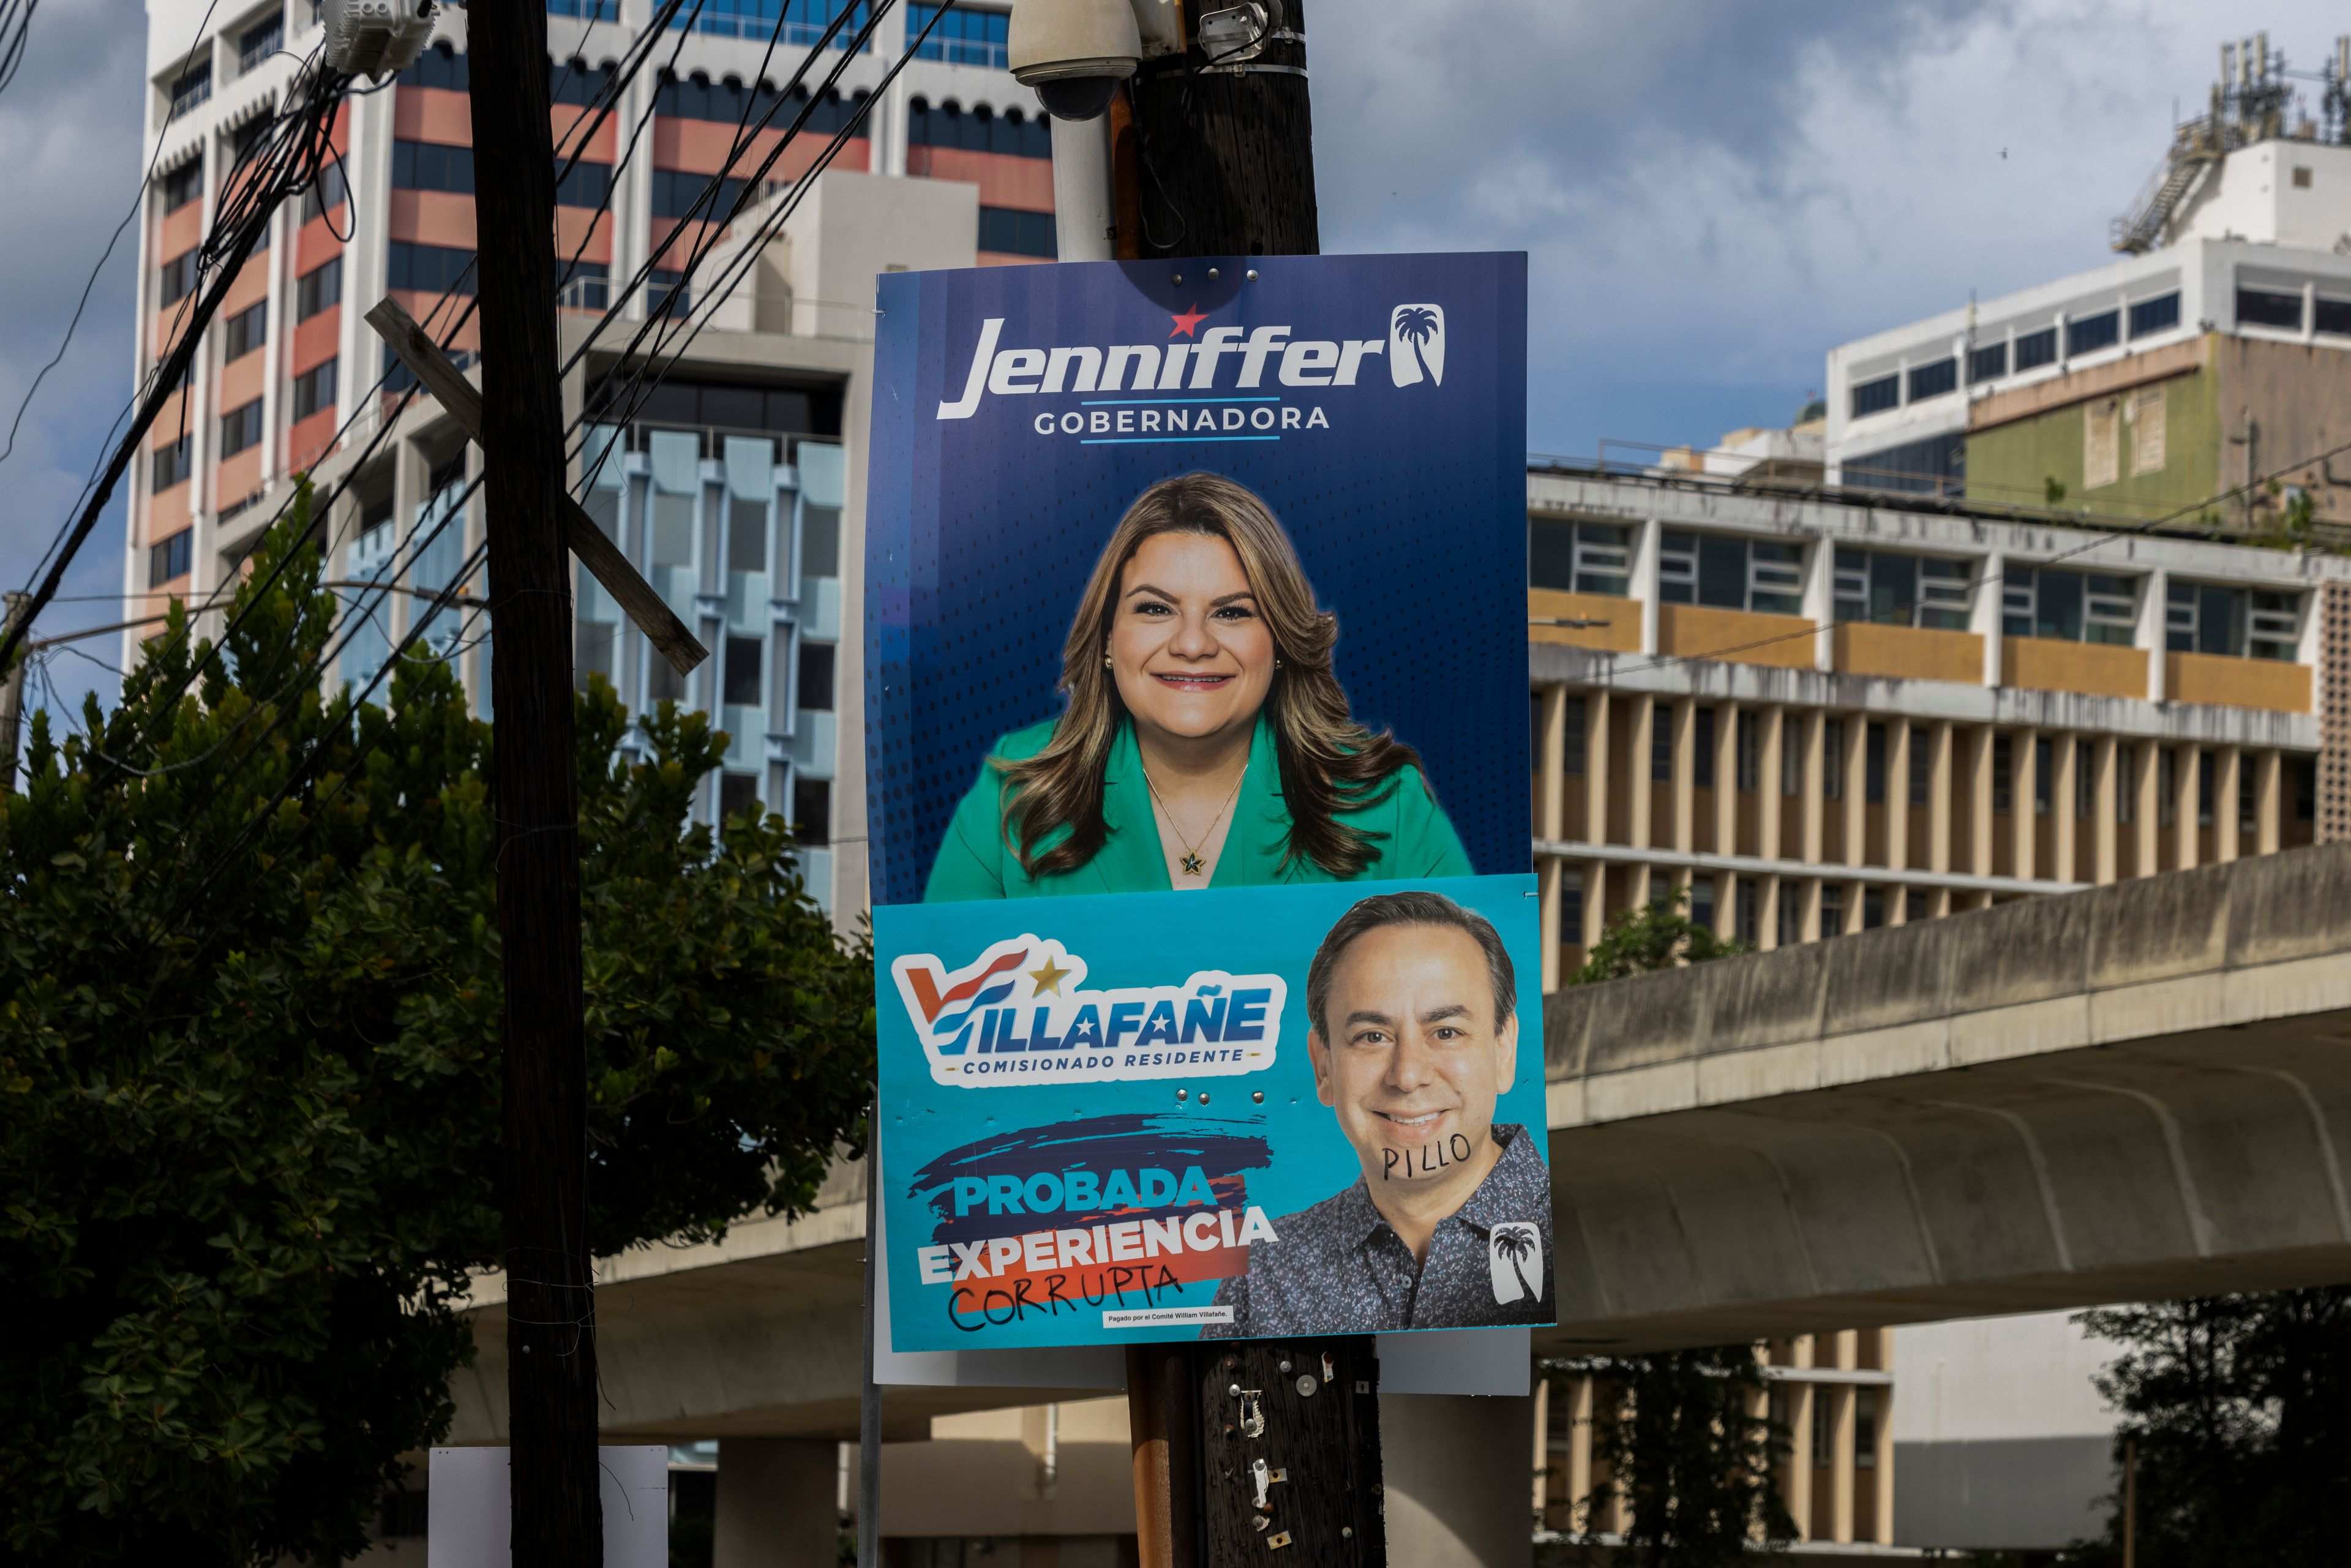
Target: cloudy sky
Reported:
point(1711, 194)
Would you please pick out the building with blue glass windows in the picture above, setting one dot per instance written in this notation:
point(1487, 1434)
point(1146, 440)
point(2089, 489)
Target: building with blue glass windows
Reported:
point(734, 478)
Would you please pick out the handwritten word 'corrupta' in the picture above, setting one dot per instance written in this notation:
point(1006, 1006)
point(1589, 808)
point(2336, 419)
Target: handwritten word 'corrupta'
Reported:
point(1021, 1012)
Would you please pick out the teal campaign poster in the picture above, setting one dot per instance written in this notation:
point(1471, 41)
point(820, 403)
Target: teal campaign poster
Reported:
point(1207, 964)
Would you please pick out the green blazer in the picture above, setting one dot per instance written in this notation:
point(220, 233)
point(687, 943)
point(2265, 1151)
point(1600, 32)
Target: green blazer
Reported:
point(976, 863)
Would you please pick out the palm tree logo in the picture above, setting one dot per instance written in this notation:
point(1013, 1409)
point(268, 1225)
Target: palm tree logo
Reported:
point(1511, 1244)
point(1417, 344)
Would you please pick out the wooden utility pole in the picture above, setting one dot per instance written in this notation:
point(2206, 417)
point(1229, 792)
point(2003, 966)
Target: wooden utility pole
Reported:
point(550, 1322)
point(1239, 1449)
point(1224, 142)
point(12, 692)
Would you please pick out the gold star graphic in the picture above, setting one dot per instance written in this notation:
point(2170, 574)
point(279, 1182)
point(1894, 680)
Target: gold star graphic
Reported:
point(1047, 978)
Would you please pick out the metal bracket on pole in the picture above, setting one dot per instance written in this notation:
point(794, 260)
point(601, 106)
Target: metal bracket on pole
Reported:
point(595, 548)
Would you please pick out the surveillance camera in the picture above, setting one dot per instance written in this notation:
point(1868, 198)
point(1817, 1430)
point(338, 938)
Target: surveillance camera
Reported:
point(1074, 52)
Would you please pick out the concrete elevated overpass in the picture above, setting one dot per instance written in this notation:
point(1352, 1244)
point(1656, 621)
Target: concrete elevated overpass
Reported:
point(2139, 1090)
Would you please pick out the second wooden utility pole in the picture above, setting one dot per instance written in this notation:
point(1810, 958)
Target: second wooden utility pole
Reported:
point(1263, 1446)
point(550, 1322)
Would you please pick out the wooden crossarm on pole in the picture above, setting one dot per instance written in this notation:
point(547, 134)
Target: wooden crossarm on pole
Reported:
point(595, 548)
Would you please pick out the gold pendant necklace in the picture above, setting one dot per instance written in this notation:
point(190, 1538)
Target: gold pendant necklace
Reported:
point(1190, 860)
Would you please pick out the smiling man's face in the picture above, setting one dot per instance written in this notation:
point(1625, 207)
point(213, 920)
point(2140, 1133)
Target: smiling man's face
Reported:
point(1409, 1054)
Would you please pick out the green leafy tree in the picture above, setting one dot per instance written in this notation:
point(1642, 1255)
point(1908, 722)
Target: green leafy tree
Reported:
point(1693, 1459)
point(250, 1086)
point(1653, 937)
point(1686, 1436)
point(2239, 1409)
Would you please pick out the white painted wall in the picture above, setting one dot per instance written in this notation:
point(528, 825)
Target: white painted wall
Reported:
point(2024, 1376)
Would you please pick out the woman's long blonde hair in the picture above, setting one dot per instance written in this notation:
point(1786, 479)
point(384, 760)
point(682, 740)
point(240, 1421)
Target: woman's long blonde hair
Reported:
point(1329, 762)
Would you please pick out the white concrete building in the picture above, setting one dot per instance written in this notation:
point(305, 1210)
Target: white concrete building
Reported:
point(2243, 234)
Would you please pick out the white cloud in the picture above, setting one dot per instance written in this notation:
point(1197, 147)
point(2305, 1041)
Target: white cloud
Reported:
point(69, 122)
point(1712, 195)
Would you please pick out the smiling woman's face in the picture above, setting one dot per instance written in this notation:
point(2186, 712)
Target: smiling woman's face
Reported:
point(1191, 653)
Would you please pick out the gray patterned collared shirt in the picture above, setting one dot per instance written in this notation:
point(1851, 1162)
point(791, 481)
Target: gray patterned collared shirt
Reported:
point(1338, 1268)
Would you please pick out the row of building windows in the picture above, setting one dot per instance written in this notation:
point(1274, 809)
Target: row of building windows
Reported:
point(171, 557)
point(965, 35)
point(1731, 571)
point(728, 100)
point(314, 389)
point(678, 194)
point(321, 288)
point(1013, 233)
point(2025, 352)
point(796, 23)
point(440, 166)
point(240, 428)
point(183, 185)
point(246, 331)
point(430, 268)
point(258, 42)
point(978, 129)
point(1894, 588)
point(170, 465)
point(2270, 308)
point(739, 678)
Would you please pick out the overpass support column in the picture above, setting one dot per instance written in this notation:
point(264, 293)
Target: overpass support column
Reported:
point(2227, 789)
point(2104, 788)
point(2064, 793)
point(776, 1503)
point(1455, 1471)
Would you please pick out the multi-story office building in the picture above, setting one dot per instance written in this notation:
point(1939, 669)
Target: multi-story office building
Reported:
point(2206, 377)
point(735, 483)
point(1826, 714)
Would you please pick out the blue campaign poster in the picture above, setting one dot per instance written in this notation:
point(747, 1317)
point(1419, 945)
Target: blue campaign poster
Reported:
point(1151, 1073)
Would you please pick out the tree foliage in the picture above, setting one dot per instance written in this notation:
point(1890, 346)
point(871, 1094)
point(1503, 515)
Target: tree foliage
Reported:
point(2240, 1410)
point(1655, 935)
point(250, 1085)
point(1690, 1444)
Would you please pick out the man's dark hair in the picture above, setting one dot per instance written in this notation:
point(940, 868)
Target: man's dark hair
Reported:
point(1413, 908)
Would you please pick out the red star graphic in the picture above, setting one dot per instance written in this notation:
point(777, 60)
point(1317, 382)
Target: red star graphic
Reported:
point(1189, 323)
